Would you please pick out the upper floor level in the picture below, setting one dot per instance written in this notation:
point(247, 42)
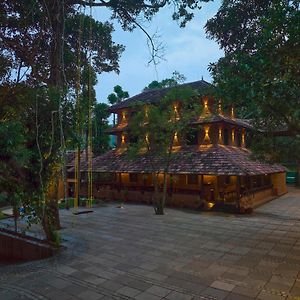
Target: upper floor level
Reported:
point(213, 125)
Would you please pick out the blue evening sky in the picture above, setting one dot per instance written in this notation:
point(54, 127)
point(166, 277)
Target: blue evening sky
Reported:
point(187, 50)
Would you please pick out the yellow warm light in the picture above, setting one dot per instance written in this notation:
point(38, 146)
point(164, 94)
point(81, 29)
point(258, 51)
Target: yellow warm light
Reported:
point(206, 133)
point(175, 137)
point(243, 138)
point(210, 205)
point(123, 116)
point(232, 136)
point(175, 107)
point(232, 112)
point(206, 104)
point(123, 139)
point(220, 107)
point(146, 112)
point(220, 134)
point(147, 138)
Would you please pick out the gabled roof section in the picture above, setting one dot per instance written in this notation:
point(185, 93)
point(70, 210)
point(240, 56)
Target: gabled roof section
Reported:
point(155, 95)
point(217, 118)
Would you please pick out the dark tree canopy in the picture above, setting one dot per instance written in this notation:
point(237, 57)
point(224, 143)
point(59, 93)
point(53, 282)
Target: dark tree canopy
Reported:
point(118, 95)
point(176, 79)
point(260, 72)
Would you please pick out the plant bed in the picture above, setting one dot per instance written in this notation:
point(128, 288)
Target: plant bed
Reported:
point(16, 246)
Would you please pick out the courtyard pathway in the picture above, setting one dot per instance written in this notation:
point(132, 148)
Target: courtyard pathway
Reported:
point(130, 253)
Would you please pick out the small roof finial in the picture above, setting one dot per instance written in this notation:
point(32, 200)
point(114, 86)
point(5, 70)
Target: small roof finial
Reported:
point(202, 77)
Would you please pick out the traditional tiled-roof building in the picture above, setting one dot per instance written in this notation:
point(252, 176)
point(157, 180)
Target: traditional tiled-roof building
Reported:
point(214, 167)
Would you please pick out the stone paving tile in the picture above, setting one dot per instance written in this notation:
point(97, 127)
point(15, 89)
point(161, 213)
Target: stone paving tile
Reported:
point(215, 293)
point(178, 296)
point(233, 296)
point(90, 295)
point(158, 291)
point(128, 291)
point(224, 286)
point(246, 291)
point(139, 285)
point(146, 296)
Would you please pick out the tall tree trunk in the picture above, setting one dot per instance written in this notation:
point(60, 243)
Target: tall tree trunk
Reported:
point(298, 174)
point(16, 215)
point(156, 197)
point(164, 196)
point(51, 217)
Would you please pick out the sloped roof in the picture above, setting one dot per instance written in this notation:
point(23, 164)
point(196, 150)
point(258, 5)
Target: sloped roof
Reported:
point(210, 160)
point(155, 95)
point(217, 118)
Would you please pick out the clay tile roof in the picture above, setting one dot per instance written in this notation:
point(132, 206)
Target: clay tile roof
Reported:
point(217, 118)
point(213, 160)
point(155, 95)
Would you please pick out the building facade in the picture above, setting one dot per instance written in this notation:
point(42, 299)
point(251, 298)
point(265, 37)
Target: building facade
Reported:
point(211, 168)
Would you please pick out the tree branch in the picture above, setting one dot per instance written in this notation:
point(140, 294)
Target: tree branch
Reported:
point(110, 4)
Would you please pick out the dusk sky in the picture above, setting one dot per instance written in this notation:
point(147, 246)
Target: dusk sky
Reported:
point(186, 50)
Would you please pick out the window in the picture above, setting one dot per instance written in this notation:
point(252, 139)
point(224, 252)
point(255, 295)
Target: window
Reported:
point(226, 137)
point(192, 137)
point(133, 177)
point(192, 179)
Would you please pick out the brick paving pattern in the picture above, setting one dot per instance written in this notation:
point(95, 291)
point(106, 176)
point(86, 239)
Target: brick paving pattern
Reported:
point(130, 253)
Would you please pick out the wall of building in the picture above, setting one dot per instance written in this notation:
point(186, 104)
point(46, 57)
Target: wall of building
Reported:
point(255, 199)
point(279, 183)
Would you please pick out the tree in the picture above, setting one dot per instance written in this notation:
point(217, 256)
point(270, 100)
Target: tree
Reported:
point(157, 130)
point(100, 124)
point(118, 95)
point(13, 158)
point(260, 72)
point(176, 79)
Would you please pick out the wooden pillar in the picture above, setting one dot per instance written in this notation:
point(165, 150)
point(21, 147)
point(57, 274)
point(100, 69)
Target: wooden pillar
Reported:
point(238, 191)
point(201, 187)
point(120, 182)
point(171, 184)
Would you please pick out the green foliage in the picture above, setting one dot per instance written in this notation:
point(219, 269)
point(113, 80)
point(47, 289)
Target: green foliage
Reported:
point(176, 79)
point(260, 72)
point(56, 238)
point(118, 95)
point(100, 124)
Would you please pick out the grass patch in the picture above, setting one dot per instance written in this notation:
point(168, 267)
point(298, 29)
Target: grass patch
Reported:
point(3, 216)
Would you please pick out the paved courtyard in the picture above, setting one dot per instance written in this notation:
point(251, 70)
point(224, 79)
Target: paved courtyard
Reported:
point(130, 253)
